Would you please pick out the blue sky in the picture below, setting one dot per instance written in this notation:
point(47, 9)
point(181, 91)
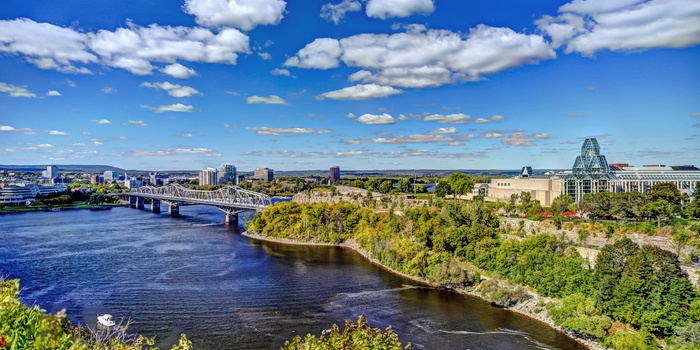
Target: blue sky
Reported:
point(363, 84)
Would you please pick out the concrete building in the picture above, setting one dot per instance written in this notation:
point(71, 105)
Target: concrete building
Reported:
point(132, 181)
point(227, 173)
point(264, 174)
point(26, 193)
point(96, 179)
point(334, 174)
point(51, 173)
point(208, 176)
point(158, 179)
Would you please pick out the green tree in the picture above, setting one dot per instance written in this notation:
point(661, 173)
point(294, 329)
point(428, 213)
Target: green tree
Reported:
point(561, 203)
point(404, 185)
point(442, 189)
point(659, 208)
point(460, 184)
point(386, 186)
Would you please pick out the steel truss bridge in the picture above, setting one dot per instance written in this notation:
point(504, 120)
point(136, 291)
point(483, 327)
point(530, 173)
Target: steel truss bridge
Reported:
point(231, 199)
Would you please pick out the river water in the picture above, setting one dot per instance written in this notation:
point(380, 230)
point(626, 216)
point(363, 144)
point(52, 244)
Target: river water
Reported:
point(192, 274)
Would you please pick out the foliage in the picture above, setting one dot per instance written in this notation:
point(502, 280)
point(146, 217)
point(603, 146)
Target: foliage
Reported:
point(23, 327)
point(501, 294)
point(562, 203)
point(460, 184)
point(354, 336)
point(578, 313)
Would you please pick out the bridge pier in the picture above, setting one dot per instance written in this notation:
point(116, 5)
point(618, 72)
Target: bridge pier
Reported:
point(155, 205)
point(139, 203)
point(132, 201)
point(174, 209)
point(232, 219)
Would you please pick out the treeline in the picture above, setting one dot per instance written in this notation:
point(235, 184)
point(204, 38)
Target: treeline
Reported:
point(632, 296)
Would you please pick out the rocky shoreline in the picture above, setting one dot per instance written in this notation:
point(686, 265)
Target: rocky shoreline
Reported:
point(525, 307)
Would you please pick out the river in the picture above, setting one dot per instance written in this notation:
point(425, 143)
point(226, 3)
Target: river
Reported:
point(192, 274)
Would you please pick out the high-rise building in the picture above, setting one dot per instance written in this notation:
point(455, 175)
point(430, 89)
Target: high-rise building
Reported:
point(226, 174)
point(208, 176)
point(111, 176)
point(334, 174)
point(264, 174)
point(51, 172)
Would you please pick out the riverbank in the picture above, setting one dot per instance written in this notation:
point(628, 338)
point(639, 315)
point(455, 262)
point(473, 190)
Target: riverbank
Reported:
point(526, 307)
point(4, 211)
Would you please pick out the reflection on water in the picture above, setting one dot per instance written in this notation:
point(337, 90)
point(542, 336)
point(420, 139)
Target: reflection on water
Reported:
point(192, 274)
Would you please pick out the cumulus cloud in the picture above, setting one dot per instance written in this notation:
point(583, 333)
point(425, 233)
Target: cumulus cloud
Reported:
point(15, 91)
point(404, 139)
point(398, 8)
point(174, 90)
point(136, 123)
point(588, 26)
point(280, 71)
point(107, 90)
point(265, 55)
point(100, 121)
point(360, 92)
point(335, 12)
point(374, 119)
point(134, 48)
point(179, 71)
point(455, 118)
point(322, 53)
point(178, 107)
point(59, 133)
point(243, 14)
point(53, 93)
point(421, 57)
point(269, 131)
point(441, 131)
point(270, 100)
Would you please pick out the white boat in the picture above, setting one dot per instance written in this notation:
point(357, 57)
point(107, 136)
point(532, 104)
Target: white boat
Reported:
point(105, 320)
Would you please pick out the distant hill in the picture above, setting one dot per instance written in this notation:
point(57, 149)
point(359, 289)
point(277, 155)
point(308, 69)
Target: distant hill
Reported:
point(68, 168)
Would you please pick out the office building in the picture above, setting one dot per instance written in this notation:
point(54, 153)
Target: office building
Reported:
point(208, 176)
point(227, 174)
point(264, 174)
point(111, 176)
point(334, 174)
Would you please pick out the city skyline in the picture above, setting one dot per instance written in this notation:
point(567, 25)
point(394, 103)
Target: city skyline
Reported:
point(373, 84)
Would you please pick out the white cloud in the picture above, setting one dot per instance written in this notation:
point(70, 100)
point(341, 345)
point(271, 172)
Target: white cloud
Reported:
point(59, 133)
point(184, 135)
point(233, 93)
point(194, 150)
point(45, 145)
point(179, 71)
point(422, 57)
point(497, 117)
point(627, 25)
point(523, 140)
point(70, 83)
point(45, 45)
point(100, 121)
point(243, 14)
point(268, 131)
point(6, 128)
point(174, 90)
point(335, 12)
point(178, 107)
point(442, 131)
point(360, 92)
point(134, 48)
point(398, 8)
point(405, 139)
point(280, 71)
point(136, 123)
point(53, 93)
point(491, 135)
point(107, 89)
point(322, 53)
point(455, 118)
point(270, 100)
point(15, 91)
point(481, 120)
point(265, 55)
point(374, 119)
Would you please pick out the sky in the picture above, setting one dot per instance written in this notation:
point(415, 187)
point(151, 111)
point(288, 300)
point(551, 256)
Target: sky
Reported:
point(361, 84)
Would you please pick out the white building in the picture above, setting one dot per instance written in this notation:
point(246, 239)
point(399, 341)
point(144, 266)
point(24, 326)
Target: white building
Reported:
point(208, 176)
point(111, 176)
